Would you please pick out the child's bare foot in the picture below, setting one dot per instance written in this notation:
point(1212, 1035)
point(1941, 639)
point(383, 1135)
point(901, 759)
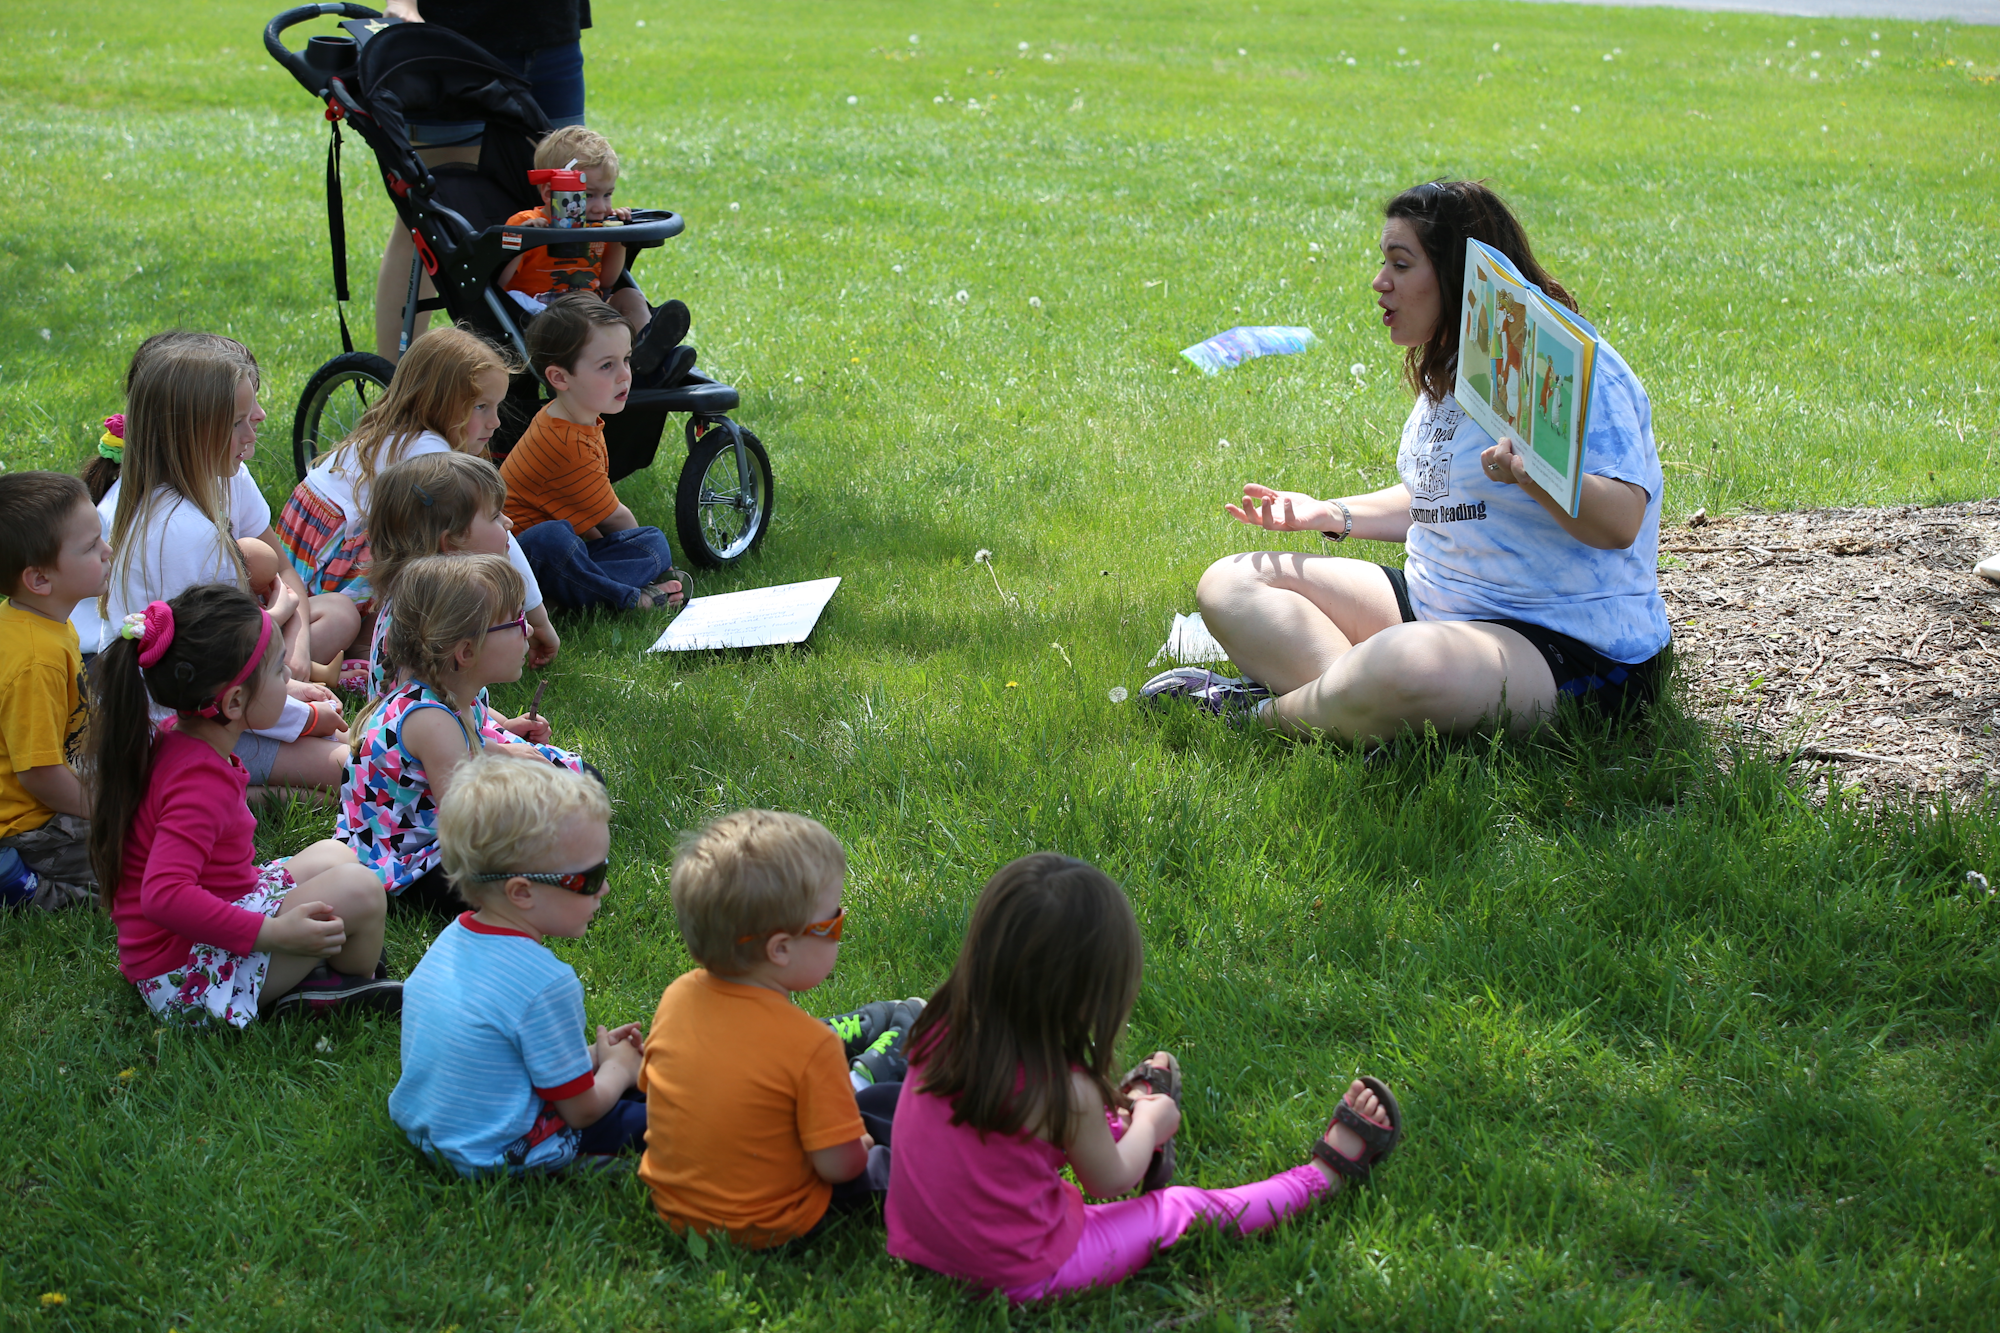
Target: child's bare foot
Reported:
point(659, 595)
point(1365, 1129)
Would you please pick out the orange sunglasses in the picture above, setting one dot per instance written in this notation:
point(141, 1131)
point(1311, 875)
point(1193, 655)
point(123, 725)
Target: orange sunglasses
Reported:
point(828, 929)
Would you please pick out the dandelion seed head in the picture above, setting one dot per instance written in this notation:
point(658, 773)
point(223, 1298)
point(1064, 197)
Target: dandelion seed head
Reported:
point(895, 268)
point(852, 100)
point(1118, 695)
point(913, 39)
point(1048, 55)
point(1022, 47)
point(735, 207)
point(45, 335)
point(963, 296)
point(1357, 370)
point(1035, 302)
point(1241, 52)
point(798, 379)
point(982, 556)
point(1351, 60)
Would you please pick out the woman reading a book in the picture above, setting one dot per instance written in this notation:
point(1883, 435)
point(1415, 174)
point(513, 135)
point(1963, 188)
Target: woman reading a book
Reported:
point(1506, 601)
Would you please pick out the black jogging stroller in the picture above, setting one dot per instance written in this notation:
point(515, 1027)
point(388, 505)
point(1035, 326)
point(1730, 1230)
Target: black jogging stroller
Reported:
point(377, 81)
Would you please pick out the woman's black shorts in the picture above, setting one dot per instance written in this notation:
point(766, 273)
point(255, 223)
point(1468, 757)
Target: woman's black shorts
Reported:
point(1581, 672)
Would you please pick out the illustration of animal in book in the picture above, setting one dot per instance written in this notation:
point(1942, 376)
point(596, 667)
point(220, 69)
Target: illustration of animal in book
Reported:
point(1524, 371)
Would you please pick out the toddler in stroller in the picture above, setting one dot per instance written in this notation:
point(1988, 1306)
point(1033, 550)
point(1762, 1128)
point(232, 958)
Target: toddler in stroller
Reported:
point(584, 161)
point(375, 83)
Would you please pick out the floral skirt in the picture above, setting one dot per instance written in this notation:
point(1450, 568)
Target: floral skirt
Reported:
point(215, 983)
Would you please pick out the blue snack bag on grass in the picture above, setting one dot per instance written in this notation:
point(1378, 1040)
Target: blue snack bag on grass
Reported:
point(1237, 345)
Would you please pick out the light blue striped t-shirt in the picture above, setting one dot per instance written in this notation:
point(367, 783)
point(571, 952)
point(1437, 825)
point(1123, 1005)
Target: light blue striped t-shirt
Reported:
point(1479, 550)
point(493, 1029)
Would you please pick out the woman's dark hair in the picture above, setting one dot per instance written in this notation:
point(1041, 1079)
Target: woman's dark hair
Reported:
point(1044, 982)
point(1444, 214)
point(215, 631)
point(101, 473)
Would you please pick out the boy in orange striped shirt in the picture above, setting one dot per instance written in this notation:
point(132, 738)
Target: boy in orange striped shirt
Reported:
point(583, 543)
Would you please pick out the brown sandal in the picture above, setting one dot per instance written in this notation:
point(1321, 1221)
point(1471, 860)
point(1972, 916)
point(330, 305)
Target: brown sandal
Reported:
point(1377, 1142)
point(1166, 1082)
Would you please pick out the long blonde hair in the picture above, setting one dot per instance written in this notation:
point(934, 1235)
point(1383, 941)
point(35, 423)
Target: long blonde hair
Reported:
point(435, 386)
point(180, 413)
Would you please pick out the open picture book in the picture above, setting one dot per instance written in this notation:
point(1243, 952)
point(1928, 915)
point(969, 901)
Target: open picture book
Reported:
point(1524, 363)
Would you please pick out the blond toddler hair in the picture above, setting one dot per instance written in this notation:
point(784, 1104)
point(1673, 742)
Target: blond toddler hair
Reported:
point(502, 813)
point(592, 152)
point(746, 875)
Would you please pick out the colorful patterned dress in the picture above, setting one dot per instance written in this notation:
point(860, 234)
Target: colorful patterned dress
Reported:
point(387, 813)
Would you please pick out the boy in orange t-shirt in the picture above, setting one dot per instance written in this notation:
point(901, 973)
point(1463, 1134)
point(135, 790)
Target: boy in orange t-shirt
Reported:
point(584, 545)
point(538, 274)
point(756, 1124)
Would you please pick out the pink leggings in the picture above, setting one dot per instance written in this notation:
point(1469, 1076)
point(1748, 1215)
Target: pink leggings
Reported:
point(1118, 1238)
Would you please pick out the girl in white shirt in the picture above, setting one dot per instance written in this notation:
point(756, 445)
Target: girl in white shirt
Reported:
point(181, 500)
point(445, 398)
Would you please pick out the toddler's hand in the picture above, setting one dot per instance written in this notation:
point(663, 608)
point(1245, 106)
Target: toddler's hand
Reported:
point(312, 931)
point(310, 692)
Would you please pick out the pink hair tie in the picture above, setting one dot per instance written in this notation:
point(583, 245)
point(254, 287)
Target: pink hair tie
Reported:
point(153, 628)
point(115, 425)
point(213, 708)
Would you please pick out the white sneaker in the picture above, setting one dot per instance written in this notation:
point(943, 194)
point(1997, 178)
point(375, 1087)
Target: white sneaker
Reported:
point(1989, 568)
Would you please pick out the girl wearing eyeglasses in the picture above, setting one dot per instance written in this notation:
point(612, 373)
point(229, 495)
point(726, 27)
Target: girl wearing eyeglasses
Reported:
point(458, 628)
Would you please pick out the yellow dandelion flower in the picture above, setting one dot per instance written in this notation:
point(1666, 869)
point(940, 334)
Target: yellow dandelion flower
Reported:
point(50, 1299)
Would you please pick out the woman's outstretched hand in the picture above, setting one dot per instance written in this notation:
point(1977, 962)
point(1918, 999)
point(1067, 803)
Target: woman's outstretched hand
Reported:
point(1282, 511)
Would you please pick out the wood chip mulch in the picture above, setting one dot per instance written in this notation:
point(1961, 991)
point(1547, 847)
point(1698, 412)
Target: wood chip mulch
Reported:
point(1857, 638)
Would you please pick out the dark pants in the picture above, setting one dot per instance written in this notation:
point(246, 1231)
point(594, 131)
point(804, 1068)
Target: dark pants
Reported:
point(878, 1111)
point(608, 571)
point(622, 1130)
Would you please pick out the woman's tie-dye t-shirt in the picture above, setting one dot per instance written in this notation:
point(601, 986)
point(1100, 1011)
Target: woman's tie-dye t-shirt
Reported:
point(1479, 550)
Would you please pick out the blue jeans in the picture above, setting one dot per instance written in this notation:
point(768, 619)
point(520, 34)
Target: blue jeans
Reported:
point(555, 74)
point(609, 571)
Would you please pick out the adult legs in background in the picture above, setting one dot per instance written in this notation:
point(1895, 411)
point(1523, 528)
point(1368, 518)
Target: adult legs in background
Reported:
point(1326, 635)
point(556, 76)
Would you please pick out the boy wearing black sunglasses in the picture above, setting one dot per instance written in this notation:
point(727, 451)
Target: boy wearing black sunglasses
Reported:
point(496, 1076)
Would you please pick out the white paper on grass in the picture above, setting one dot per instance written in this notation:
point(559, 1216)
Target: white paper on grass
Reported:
point(750, 619)
point(1189, 643)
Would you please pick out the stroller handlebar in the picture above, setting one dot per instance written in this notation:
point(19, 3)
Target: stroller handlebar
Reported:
point(312, 80)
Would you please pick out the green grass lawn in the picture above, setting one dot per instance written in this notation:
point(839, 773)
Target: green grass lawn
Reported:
point(1678, 1048)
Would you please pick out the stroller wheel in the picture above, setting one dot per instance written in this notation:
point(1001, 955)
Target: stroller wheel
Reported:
point(723, 506)
point(333, 401)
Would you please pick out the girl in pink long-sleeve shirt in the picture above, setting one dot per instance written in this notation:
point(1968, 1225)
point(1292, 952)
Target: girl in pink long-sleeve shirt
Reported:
point(203, 930)
point(1010, 1080)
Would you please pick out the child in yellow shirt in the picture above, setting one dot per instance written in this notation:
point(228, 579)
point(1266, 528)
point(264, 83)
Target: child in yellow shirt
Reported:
point(52, 556)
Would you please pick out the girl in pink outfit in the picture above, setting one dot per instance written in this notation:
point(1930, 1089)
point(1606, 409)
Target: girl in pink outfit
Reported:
point(204, 932)
point(1010, 1080)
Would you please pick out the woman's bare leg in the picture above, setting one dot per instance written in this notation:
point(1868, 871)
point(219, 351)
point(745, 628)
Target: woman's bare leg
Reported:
point(1287, 617)
point(1449, 674)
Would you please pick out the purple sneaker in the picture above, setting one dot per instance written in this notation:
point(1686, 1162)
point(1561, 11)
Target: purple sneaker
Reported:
point(1224, 696)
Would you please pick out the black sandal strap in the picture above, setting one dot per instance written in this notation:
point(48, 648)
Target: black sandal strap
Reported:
point(1353, 1170)
point(1379, 1138)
